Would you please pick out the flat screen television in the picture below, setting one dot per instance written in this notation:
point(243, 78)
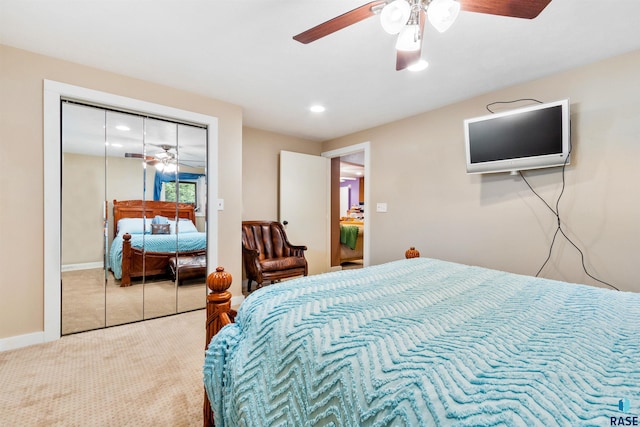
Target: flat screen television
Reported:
point(525, 138)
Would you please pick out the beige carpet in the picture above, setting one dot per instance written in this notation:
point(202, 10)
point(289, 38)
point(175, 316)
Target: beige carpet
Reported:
point(88, 303)
point(146, 373)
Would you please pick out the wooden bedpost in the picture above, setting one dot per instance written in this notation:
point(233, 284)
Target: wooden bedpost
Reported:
point(126, 260)
point(412, 252)
point(219, 314)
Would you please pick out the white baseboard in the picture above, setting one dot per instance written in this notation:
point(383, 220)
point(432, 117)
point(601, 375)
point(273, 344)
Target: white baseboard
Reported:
point(19, 341)
point(83, 266)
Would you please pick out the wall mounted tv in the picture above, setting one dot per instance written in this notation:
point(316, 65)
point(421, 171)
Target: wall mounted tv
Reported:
point(525, 138)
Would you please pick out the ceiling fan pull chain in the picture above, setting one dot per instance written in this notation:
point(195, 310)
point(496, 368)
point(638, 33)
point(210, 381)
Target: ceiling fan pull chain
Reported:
point(417, 33)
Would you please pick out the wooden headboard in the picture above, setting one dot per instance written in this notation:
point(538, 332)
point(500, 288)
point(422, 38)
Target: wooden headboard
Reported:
point(149, 209)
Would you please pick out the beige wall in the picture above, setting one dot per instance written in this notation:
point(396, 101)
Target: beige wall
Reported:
point(418, 168)
point(21, 173)
point(260, 170)
point(82, 196)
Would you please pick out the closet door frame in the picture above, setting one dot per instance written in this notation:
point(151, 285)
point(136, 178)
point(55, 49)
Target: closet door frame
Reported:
point(53, 93)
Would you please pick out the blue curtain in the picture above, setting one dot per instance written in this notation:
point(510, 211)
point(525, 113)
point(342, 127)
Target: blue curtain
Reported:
point(171, 176)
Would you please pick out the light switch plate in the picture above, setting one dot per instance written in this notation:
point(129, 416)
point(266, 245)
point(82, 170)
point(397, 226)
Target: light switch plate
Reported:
point(220, 204)
point(381, 207)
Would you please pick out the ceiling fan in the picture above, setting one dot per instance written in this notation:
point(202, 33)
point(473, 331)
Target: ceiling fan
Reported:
point(163, 161)
point(406, 18)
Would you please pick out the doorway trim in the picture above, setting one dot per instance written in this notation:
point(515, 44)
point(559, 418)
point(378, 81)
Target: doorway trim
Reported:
point(366, 147)
point(53, 93)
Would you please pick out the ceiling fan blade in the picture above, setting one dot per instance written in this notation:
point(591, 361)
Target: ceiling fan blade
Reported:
point(404, 58)
point(527, 9)
point(165, 147)
point(148, 159)
point(339, 22)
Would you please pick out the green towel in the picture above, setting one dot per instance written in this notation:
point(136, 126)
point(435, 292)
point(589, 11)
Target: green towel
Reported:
point(349, 235)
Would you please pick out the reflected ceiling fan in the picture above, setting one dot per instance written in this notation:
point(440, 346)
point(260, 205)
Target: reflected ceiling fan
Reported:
point(163, 161)
point(406, 18)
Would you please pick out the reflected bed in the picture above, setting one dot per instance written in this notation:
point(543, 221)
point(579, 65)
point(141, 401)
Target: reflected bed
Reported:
point(132, 232)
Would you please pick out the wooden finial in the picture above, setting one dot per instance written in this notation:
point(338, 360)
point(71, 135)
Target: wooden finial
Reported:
point(412, 252)
point(219, 281)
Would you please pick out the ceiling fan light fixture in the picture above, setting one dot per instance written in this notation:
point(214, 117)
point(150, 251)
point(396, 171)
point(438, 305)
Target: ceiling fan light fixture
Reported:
point(409, 38)
point(394, 16)
point(166, 167)
point(419, 65)
point(443, 13)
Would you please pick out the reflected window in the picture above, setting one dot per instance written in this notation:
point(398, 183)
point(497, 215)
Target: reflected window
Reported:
point(187, 192)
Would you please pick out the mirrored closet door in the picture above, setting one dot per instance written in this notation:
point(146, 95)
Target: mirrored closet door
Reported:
point(133, 217)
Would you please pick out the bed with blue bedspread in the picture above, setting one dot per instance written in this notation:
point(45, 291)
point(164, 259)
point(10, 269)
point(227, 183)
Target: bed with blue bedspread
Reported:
point(422, 342)
point(156, 243)
point(148, 233)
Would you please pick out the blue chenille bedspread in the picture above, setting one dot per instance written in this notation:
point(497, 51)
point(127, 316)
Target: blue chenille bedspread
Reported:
point(422, 342)
point(155, 243)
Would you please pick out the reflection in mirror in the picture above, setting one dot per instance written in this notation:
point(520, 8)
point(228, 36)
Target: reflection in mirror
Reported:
point(156, 171)
point(83, 219)
point(191, 188)
point(160, 147)
point(125, 181)
point(180, 180)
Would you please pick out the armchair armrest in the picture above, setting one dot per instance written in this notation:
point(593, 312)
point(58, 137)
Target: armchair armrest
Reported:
point(298, 250)
point(251, 252)
point(251, 258)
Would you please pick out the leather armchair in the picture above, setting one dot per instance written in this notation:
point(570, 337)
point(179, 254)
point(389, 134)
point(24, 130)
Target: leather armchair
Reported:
point(268, 254)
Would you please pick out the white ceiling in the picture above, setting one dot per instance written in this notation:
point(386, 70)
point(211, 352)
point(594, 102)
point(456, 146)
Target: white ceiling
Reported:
point(242, 51)
point(97, 132)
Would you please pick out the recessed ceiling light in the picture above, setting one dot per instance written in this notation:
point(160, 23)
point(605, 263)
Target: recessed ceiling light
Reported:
point(418, 66)
point(316, 109)
point(123, 128)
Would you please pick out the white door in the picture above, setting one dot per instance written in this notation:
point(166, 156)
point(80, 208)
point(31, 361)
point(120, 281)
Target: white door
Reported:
point(345, 200)
point(304, 205)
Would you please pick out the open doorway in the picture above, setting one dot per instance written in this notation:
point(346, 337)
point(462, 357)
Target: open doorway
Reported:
point(350, 168)
point(352, 210)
